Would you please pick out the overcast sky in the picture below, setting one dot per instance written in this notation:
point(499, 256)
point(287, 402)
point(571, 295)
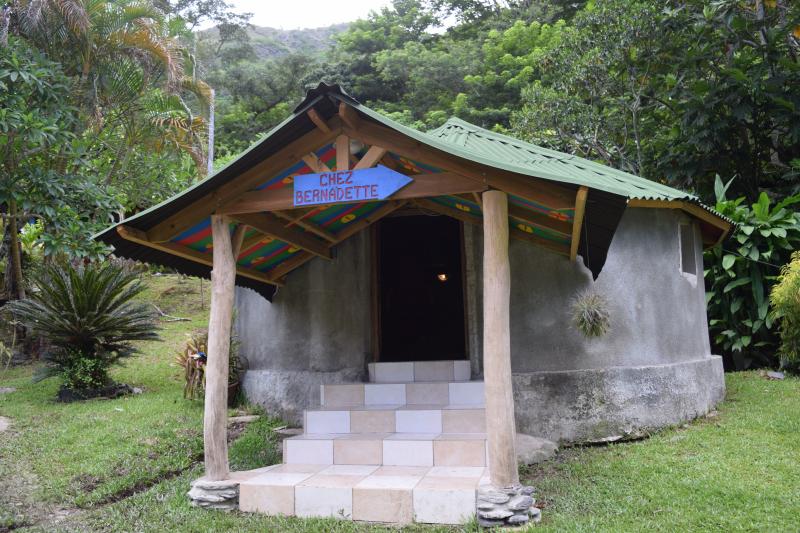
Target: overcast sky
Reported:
point(293, 14)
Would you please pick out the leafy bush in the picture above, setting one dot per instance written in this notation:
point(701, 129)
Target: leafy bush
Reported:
point(87, 317)
point(590, 314)
point(785, 299)
point(740, 273)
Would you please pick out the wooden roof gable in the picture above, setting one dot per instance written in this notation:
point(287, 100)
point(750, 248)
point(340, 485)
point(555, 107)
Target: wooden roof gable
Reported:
point(331, 131)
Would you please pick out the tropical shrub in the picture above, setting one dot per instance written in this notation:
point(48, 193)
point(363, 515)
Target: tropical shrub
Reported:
point(88, 319)
point(192, 359)
point(740, 273)
point(785, 299)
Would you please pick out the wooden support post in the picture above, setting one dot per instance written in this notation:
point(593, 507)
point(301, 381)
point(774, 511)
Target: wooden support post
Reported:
point(342, 153)
point(500, 425)
point(577, 222)
point(215, 420)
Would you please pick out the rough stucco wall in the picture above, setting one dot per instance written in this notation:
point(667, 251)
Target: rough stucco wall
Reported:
point(658, 316)
point(316, 330)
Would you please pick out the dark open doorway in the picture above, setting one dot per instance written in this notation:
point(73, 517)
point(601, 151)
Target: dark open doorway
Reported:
point(420, 289)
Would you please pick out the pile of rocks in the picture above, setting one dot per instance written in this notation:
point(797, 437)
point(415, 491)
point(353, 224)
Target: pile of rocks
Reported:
point(223, 495)
point(509, 506)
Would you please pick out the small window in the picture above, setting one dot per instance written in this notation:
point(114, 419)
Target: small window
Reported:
point(688, 260)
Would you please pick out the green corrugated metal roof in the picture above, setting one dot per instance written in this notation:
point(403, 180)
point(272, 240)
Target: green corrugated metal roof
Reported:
point(526, 158)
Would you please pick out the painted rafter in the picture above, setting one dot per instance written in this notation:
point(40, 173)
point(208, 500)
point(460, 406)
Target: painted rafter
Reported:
point(140, 237)
point(513, 232)
point(532, 218)
point(273, 227)
point(253, 177)
point(293, 219)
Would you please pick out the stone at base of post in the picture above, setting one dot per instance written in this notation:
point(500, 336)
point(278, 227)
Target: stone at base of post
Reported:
point(507, 506)
point(222, 495)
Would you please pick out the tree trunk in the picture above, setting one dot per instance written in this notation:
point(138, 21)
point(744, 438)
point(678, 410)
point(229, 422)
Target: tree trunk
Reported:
point(500, 424)
point(219, 339)
point(17, 290)
point(210, 158)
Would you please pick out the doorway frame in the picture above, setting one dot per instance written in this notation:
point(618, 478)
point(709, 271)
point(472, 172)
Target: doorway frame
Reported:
point(375, 293)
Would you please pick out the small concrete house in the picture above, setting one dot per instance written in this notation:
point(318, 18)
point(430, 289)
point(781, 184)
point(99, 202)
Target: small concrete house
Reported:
point(408, 296)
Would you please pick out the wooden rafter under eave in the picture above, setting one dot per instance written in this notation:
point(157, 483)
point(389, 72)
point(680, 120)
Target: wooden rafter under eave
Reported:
point(424, 185)
point(268, 225)
point(134, 235)
point(577, 221)
point(513, 232)
point(696, 211)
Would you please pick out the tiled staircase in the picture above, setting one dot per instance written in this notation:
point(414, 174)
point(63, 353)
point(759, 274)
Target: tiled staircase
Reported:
point(409, 446)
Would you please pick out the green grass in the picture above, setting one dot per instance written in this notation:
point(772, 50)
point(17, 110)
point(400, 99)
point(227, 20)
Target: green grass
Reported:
point(126, 464)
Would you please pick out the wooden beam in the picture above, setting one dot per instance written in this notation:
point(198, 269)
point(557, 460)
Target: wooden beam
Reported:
point(342, 153)
point(498, 385)
point(424, 185)
point(317, 120)
point(698, 212)
point(215, 417)
point(237, 239)
point(249, 242)
point(275, 228)
point(349, 116)
point(315, 164)
point(532, 218)
point(369, 220)
point(305, 224)
point(373, 155)
point(256, 175)
point(134, 235)
point(577, 221)
point(539, 190)
point(560, 249)
point(280, 271)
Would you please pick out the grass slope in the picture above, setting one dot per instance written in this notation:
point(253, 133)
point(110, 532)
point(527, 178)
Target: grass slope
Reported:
point(126, 464)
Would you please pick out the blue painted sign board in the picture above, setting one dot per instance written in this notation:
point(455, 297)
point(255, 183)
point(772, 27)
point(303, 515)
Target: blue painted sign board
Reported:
point(348, 186)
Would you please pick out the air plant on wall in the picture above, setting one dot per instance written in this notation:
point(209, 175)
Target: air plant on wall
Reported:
point(590, 314)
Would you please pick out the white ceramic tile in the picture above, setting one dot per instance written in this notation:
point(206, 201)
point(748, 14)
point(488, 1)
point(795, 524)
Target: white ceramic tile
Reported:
point(323, 502)
point(418, 421)
point(439, 506)
point(456, 471)
point(393, 372)
point(433, 371)
point(280, 479)
point(467, 393)
point(327, 422)
point(308, 451)
point(349, 470)
point(384, 394)
point(389, 482)
point(461, 371)
point(403, 452)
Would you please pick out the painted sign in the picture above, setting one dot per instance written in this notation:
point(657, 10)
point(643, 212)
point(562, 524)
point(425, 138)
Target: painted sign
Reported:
point(347, 186)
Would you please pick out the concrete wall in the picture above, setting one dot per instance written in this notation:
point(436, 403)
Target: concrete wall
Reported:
point(654, 368)
point(316, 330)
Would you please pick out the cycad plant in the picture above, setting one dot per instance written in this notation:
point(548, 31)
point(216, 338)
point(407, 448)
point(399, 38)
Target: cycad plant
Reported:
point(87, 316)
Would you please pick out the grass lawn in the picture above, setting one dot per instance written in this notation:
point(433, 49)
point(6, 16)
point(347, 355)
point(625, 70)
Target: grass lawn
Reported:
point(126, 464)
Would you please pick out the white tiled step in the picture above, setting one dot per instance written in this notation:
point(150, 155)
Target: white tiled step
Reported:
point(396, 494)
point(396, 419)
point(402, 372)
point(427, 393)
point(391, 449)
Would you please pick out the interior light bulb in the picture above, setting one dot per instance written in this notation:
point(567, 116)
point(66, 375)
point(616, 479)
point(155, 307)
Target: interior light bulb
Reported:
point(442, 276)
